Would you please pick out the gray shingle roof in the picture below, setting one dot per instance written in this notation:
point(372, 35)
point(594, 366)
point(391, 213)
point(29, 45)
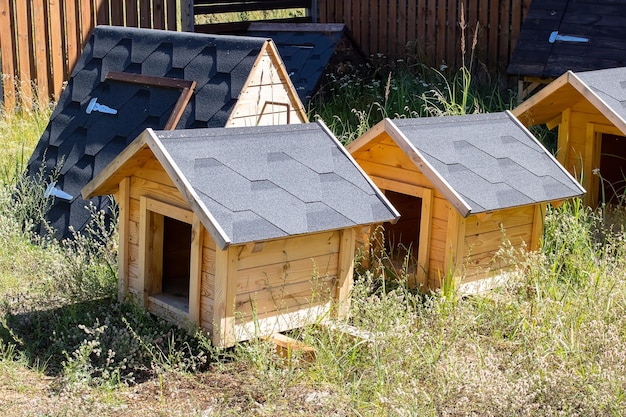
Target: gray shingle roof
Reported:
point(609, 85)
point(489, 160)
point(262, 183)
point(85, 143)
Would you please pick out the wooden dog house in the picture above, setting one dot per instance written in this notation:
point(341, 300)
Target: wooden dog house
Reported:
point(589, 109)
point(242, 231)
point(128, 79)
point(563, 35)
point(461, 184)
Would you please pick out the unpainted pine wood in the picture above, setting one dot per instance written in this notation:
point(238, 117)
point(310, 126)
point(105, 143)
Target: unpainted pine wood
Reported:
point(144, 260)
point(589, 161)
point(24, 48)
point(195, 273)
point(123, 200)
point(72, 33)
point(153, 284)
point(490, 242)
point(424, 237)
point(140, 187)
point(539, 216)
point(345, 274)
point(502, 218)
point(40, 31)
point(87, 20)
point(231, 298)
point(208, 260)
point(166, 209)
point(440, 207)
point(275, 276)
point(7, 46)
point(258, 254)
point(153, 171)
point(287, 299)
point(219, 318)
point(563, 137)
point(57, 69)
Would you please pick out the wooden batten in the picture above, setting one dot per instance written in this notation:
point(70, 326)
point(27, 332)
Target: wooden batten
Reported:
point(286, 346)
point(195, 273)
point(123, 200)
point(345, 272)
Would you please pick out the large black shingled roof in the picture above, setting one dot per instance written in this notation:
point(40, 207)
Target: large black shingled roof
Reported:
point(490, 161)
point(601, 22)
point(262, 183)
point(306, 50)
point(85, 143)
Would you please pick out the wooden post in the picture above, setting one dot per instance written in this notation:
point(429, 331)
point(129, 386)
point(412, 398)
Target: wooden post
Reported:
point(123, 200)
point(195, 270)
point(345, 272)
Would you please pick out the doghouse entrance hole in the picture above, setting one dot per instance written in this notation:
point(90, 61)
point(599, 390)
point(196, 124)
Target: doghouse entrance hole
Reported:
point(176, 258)
point(612, 185)
point(402, 238)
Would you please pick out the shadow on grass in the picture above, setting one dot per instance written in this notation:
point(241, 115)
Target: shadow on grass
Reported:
point(102, 338)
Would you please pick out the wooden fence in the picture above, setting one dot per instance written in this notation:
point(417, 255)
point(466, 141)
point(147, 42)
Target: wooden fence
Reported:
point(430, 30)
point(40, 40)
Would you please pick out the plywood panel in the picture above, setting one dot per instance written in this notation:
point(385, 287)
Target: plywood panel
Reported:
point(276, 276)
point(276, 251)
point(140, 186)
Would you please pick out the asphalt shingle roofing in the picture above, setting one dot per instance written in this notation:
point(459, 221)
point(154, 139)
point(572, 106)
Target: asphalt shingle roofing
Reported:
point(306, 50)
point(490, 161)
point(610, 86)
point(262, 183)
point(84, 143)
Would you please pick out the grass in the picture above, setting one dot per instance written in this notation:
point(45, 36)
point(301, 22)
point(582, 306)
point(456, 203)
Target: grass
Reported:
point(550, 342)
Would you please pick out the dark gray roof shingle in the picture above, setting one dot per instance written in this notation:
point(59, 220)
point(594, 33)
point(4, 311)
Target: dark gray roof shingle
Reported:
point(489, 160)
point(268, 182)
point(219, 65)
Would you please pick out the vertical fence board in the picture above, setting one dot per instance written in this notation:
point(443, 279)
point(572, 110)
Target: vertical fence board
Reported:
point(102, 12)
point(117, 12)
point(41, 49)
point(411, 24)
point(356, 23)
point(24, 43)
point(373, 33)
point(8, 57)
point(145, 14)
point(57, 45)
point(158, 14)
point(132, 14)
point(388, 24)
point(401, 35)
point(72, 34)
point(170, 13)
point(452, 36)
point(87, 20)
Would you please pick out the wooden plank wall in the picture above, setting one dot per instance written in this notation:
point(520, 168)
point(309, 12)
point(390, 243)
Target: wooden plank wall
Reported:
point(430, 30)
point(41, 40)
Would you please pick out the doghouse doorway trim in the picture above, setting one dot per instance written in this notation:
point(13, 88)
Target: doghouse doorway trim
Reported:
point(426, 194)
point(151, 258)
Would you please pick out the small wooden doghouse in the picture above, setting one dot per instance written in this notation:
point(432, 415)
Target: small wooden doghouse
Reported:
point(242, 231)
point(129, 79)
point(461, 184)
point(558, 36)
point(589, 109)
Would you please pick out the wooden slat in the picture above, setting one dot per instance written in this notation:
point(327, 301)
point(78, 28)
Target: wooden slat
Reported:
point(453, 37)
point(195, 273)
point(345, 273)
point(24, 43)
point(440, 24)
point(58, 68)
point(102, 12)
point(170, 15)
point(145, 14)
point(41, 49)
point(72, 34)
point(7, 46)
point(87, 20)
point(123, 200)
point(158, 14)
point(132, 13)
